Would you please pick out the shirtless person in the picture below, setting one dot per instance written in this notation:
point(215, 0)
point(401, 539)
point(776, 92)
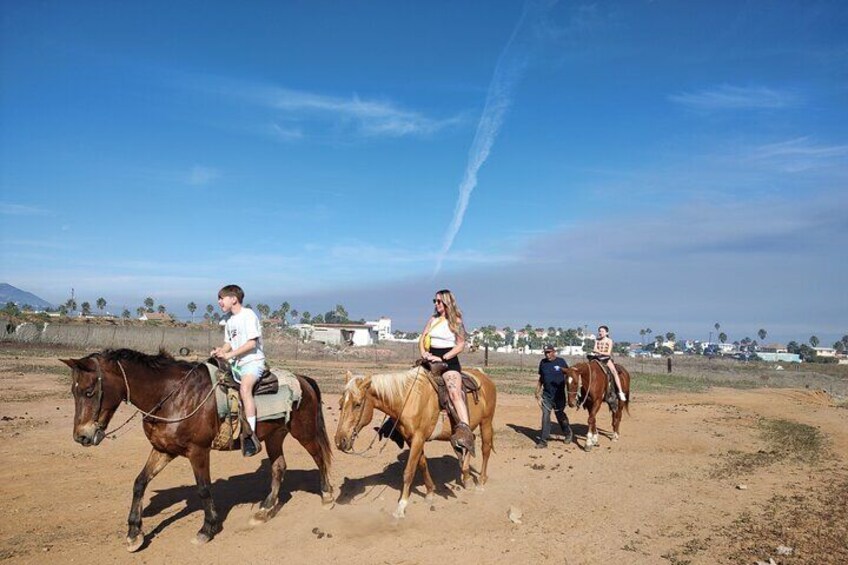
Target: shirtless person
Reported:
point(602, 352)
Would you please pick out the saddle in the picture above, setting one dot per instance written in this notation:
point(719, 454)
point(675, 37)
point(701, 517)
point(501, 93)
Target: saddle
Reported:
point(267, 383)
point(238, 426)
point(611, 396)
point(463, 437)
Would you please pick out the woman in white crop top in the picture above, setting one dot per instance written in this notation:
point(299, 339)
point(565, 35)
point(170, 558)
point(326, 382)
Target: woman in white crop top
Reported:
point(447, 340)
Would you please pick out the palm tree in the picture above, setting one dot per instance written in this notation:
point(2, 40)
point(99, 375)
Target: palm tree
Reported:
point(101, 304)
point(192, 308)
point(161, 309)
point(722, 337)
point(814, 341)
point(294, 315)
point(86, 308)
point(284, 311)
point(263, 309)
point(71, 305)
point(717, 326)
point(669, 336)
point(648, 331)
point(126, 314)
point(148, 303)
point(641, 336)
point(762, 334)
point(140, 310)
point(306, 317)
point(210, 309)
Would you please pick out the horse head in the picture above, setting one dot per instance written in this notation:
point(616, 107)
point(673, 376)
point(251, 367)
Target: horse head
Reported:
point(97, 395)
point(573, 381)
point(356, 409)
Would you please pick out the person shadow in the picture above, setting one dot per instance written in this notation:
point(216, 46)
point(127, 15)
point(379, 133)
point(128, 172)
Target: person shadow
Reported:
point(248, 488)
point(443, 469)
point(556, 432)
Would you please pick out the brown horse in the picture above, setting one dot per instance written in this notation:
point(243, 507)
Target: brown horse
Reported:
point(410, 399)
point(590, 381)
point(181, 419)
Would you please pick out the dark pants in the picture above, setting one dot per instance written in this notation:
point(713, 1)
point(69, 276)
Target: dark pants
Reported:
point(557, 404)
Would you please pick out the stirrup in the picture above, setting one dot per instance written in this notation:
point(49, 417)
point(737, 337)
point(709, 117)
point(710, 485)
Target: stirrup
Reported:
point(463, 439)
point(250, 445)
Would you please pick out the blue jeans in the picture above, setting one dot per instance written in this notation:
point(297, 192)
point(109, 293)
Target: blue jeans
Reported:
point(557, 405)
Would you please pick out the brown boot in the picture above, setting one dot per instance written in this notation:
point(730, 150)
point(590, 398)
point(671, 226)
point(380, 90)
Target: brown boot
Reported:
point(463, 438)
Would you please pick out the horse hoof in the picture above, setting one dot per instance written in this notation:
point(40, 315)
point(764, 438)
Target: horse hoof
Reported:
point(480, 489)
point(587, 448)
point(259, 518)
point(430, 497)
point(328, 500)
point(201, 539)
point(134, 544)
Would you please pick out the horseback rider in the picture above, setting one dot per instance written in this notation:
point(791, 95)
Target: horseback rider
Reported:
point(602, 352)
point(243, 349)
point(442, 340)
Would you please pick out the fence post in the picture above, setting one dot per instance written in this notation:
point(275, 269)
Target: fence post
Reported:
point(669, 365)
point(486, 355)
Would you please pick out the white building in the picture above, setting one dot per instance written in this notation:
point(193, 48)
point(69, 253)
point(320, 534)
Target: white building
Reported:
point(344, 334)
point(383, 327)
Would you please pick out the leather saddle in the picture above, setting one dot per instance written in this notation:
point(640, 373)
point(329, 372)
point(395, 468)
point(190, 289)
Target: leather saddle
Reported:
point(267, 383)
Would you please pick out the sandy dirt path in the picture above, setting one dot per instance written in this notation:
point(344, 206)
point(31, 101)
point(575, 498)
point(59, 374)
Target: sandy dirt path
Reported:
point(665, 493)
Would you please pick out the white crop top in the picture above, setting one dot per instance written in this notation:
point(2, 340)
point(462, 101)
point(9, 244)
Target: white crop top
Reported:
point(441, 335)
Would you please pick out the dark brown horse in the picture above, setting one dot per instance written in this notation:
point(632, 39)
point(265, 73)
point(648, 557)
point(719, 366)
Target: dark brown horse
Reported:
point(590, 381)
point(181, 418)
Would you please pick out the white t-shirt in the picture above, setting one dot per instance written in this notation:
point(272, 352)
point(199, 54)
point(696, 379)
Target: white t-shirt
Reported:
point(239, 329)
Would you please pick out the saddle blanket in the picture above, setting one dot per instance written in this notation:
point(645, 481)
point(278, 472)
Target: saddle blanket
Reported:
point(268, 406)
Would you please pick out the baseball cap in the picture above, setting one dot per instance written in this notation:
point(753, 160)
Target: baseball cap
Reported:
point(549, 347)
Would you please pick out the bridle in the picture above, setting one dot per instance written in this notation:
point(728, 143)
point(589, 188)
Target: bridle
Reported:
point(580, 387)
point(147, 415)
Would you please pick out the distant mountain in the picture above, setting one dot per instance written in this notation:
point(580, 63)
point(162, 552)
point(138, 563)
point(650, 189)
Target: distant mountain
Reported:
point(9, 293)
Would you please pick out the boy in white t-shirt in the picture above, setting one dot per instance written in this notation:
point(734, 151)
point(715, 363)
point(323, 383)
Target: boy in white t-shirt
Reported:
point(243, 349)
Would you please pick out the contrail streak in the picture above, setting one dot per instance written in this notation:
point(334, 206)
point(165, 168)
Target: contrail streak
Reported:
point(511, 64)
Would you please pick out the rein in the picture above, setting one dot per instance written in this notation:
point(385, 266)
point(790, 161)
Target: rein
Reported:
point(149, 415)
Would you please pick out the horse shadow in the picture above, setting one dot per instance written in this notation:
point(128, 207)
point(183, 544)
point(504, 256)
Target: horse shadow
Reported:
point(533, 433)
point(248, 488)
point(443, 470)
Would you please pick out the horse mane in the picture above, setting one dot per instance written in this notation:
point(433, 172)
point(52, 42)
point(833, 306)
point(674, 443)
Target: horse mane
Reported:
point(392, 387)
point(158, 362)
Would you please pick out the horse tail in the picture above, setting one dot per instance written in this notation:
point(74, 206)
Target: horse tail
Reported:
point(321, 437)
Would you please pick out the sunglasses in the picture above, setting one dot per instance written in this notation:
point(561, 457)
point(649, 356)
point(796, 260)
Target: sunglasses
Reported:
point(438, 301)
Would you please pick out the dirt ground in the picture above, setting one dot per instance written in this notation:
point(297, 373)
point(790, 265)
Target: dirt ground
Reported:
point(720, 476)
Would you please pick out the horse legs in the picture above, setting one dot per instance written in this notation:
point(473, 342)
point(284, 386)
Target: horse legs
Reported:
point(156, 461)
point(199, 459)
point(592, 433)
point(428, 480)
point(465, 467)
point(416, 449)
point(323, 464)
point(269, 506)
point(487, 433)
point(616, 421)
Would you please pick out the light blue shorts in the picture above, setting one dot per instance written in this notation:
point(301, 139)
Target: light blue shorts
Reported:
point(255, 368)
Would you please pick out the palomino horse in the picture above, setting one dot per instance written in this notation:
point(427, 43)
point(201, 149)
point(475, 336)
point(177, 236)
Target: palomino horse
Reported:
point(410, 399)
point(590, 381)
point(181, 418)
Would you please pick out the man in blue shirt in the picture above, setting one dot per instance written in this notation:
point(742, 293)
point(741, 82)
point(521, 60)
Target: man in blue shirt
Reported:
point(550, 392)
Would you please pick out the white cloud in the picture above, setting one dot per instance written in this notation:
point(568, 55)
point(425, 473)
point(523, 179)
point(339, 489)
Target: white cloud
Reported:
point(202, 176)
point(799, 154)
point(10, 209)
point(727, 97)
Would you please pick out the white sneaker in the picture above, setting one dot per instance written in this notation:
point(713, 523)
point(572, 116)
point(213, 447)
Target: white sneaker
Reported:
point(622, 397)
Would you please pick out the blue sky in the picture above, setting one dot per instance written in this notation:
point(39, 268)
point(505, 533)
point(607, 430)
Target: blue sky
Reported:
point(641, 164)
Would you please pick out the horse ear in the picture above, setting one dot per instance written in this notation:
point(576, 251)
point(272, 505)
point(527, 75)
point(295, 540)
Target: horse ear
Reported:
point(348, 376)
point(74, 364)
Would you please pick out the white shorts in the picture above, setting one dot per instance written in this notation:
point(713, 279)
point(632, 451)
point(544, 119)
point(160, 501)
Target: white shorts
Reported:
point(255, 368)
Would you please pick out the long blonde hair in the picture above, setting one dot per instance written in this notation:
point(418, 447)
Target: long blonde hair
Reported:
point(452, 311)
